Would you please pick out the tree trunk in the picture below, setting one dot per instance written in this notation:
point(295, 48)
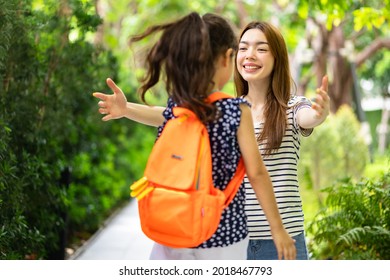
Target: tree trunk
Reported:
point(100, 9)
point(330, 61)
point(383, 127)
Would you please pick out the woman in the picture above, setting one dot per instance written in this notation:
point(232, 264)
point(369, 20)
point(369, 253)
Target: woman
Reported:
point(262, 77)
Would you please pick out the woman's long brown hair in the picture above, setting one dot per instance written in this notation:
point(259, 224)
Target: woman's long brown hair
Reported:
point(279, 91)
point(185, 54)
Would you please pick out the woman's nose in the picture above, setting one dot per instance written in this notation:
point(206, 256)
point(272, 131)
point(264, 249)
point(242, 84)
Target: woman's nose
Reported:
point(249, 54)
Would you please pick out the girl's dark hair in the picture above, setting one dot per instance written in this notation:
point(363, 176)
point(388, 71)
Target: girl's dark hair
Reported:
point(186, 53)
point(280, 88)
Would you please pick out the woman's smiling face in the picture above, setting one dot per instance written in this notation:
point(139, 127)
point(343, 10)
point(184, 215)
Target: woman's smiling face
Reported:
point(254, 58)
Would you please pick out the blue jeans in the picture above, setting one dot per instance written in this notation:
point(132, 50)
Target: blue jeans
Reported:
point(265, 249)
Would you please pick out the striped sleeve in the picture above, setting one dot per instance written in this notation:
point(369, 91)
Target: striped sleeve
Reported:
point(297, 103)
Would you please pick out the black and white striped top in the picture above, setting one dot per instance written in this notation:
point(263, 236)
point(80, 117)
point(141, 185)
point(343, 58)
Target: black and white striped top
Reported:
point(282, 168)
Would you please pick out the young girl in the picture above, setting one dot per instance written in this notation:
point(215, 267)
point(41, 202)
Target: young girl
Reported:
point(196, 55)
point(262, 77)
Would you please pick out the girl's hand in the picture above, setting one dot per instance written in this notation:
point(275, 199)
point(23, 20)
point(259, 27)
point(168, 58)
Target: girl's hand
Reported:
point(112, 106)
point(321, 101)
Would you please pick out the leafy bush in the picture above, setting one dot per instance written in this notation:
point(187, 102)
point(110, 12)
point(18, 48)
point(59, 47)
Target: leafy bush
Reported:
point(355, 222)
point(62, 170)
point(334, 151)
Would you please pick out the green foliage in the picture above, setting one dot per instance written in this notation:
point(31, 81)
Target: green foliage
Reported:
point(368, 17)
point(62, 170)
point(365, 15)
point(378, 166)
point(108, 169)
point(355, 222)
point(335, 150)
point(354, 150)
point(19, 166)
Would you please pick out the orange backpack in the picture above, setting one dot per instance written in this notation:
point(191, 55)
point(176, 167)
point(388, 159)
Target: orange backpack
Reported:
point(177, 201)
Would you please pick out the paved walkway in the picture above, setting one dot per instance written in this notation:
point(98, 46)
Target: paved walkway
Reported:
point(121, 238)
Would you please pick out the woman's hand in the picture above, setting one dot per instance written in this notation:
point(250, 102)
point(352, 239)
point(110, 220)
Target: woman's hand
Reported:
point(321, 101)
point(285, 245)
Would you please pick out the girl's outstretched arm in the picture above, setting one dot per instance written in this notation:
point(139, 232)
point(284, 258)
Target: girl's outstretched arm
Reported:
point(115, 106)
point(314, 116)
point(261, 183)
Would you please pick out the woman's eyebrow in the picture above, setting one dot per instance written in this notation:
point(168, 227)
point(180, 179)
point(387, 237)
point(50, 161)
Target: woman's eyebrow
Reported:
point(255, 43)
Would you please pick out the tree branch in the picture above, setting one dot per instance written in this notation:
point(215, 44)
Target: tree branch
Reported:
point(242, 13)
point(371, 49)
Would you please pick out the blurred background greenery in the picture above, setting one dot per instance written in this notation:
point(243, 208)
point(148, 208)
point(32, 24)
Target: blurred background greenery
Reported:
point(63, 171)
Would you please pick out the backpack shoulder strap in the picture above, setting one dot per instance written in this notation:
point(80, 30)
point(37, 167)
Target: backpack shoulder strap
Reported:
point(235, 183)
point(217, 96)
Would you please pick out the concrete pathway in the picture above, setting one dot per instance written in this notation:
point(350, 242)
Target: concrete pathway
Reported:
point(121, 238)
